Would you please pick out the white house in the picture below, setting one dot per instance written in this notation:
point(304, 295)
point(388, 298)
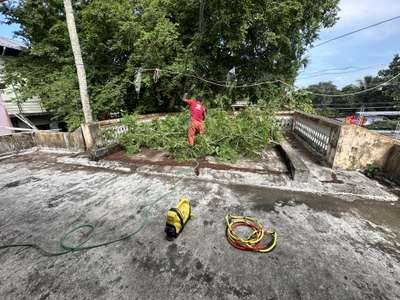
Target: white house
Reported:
point(15, 113)
point(376, 116)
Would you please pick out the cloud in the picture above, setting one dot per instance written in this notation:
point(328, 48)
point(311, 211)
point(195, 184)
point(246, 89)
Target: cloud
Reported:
point(370, 47)
point(365, 12)
point(355, 14)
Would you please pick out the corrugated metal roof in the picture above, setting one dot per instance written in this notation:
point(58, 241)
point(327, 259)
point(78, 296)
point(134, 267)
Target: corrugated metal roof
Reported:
point(31, 106)
point(9, 96)
point(4, 42)
point(378, 113)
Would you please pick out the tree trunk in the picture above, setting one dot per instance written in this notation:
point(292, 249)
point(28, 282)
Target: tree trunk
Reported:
point(80, 68)
point(171, 102)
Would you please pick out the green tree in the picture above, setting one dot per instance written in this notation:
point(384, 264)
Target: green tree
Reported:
point(323, 103)
point(375, 98)
point(371, 92)
point(265, 40)
point(392, 89)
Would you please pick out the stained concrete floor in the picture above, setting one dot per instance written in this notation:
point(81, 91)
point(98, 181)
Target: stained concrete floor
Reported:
point(328, 248)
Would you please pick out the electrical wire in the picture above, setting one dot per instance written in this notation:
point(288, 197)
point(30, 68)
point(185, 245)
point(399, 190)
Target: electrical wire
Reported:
point(343, 68)
point(220, 84)
point(356, 93)
point(334, 73)
point(358, 107)
point(282, 82)
point(355, 31)
point(334, 105)
point(254, 84)
point(342, 107)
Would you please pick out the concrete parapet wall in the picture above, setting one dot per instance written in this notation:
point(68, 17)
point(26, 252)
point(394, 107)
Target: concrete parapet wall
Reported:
point(16, 142)
point(285, 120)
point(94, 132)
point(70, 141)
point(93, 136)
point(343, 146)
point(340, 146)
point(358, 147)
point(319, 133)
point(392, 166)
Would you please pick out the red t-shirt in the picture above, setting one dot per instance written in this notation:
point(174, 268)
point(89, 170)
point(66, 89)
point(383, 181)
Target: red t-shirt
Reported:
point(196, 110)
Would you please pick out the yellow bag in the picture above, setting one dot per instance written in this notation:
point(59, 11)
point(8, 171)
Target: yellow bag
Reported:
point(177, 218)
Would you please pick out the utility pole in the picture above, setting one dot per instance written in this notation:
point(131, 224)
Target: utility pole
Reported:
point(80, 68)
point(397, 131)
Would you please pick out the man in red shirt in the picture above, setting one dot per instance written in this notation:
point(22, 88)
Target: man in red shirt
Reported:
point(198, 115)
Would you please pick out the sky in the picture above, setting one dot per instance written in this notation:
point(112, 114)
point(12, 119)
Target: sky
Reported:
point(7, 31)
point(370, 50)
point(373, 48)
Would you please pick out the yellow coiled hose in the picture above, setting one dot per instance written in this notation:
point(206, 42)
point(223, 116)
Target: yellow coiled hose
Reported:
point(255, 241)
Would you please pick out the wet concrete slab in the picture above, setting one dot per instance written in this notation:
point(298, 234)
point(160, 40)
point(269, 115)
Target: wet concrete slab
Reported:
point(270, 171)
point(328, 248)
point(270, 161)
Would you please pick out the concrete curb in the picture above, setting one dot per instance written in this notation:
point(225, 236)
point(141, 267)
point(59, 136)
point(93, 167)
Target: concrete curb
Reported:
point(297, 168)
point(116, 166)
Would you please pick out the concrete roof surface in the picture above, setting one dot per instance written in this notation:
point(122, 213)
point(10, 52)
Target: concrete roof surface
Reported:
point(328, 248)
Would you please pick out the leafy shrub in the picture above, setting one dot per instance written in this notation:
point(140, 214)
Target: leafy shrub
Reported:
point(372, 170)
point(227, 137)
point(384, 125)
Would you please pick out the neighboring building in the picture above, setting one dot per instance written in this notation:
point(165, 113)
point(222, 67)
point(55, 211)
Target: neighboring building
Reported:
point(12, 110)
point(242, 104)
point(372, 117)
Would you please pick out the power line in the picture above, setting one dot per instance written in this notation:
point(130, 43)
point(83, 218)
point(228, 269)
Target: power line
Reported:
point(292, 87)
point(352, 106)
point(336, 73)
point(218, 83)
point(284, 83)
point(382, 102)
point(358, 107)
point(355, 31)
point(356, 93)
point(343, 68)
point(254, 84)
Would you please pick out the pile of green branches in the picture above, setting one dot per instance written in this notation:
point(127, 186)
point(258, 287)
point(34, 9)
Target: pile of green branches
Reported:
point(227, 137)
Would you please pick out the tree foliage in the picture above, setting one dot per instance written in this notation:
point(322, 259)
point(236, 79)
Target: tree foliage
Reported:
point(386, 124)
point(265, 40)
point(392, 90)
point(385, 97)
point(227, 136)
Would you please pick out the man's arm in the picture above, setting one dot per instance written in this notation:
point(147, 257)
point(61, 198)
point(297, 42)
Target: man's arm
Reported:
point(204, 114)
point(185, 99)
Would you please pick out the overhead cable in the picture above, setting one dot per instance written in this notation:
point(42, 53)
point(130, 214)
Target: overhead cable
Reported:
point(358, 107)
point(355, 31)
point(356, 93)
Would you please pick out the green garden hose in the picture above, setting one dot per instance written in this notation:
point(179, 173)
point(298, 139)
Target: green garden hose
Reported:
point(66, 248)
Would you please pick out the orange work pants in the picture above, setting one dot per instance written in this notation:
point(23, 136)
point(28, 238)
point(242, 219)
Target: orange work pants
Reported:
point(195, 128)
